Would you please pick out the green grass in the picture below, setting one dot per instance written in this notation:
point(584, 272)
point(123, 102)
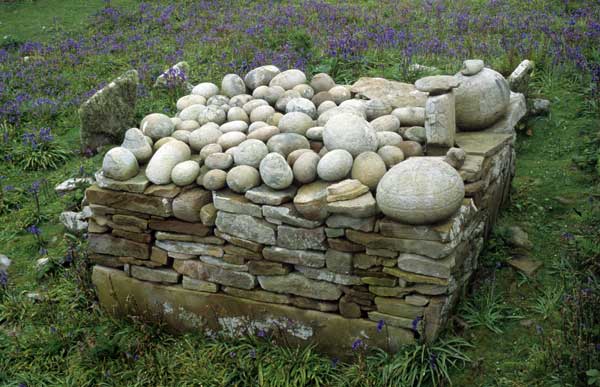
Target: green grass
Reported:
point(65, 339)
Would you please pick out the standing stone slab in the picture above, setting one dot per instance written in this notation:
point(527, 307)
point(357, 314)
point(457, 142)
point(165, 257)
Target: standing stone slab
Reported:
point(246, 227)
point(294, 257)
point(301, 238)
point(440, 120)
point(110, 112)
point(299, 285)
point(107, 244)
point(519, 78)
point(207, 272)
point(151, 205)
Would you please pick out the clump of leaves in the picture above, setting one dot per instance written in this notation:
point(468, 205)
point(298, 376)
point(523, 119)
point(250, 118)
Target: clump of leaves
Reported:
point(487, 309)
point(38, 151)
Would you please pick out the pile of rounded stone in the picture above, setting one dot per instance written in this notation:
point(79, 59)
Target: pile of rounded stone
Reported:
point(275, 127)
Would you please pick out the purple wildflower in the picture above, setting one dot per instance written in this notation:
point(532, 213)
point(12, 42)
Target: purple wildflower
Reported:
point(380, 325)
point(415, 323)
point(33, 229)
point(357, 344)
point(261, 333)
point(3, 278)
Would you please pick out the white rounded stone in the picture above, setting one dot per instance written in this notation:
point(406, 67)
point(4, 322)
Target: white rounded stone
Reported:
point(359, 105)
point(189, 100)
point(165, 159)
point(206, 89)
point(261, 113)
point(234, 126)
point(209, 149)
point(275, 171)
point(263, 133)
point(301, 105)
point(351, 133)
point(368, 168)
point(250, 152)
point(387, 123)
point(136, 143)
point(161, 142)
point(410, 116)
point(187, 125)
point(211, 114)
point(293, 156)
point(376, 108)
point(260, 76)
point(282, 101)
point(269, 94)
point(305, 167)
point(222, 161)
point(324, 106)
point(416, 133)
point(253, 104)
point(335, 165)
point(420, 191)
point(233, 84)
point(322, 82)
point(315, 133)
point(388, 138)
point(204, 135)
point(239, 100)
point(237, 114)
point(120, 164)
point(218, 100)
point(185, 173)
point(182, 135)
point(231, 139)
point(305, 91)
point(481, 99)
point(288, 79)
point(326, 116)
point(242, 178)
point(214, 180)
point(339, 94)
point(157, 126)
point(391, 155)
point(472, 66)
point(286, 143)
point(191, 112)
point(295, 122)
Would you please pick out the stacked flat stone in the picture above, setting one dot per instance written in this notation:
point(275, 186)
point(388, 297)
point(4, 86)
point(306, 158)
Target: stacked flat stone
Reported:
point(268, 209)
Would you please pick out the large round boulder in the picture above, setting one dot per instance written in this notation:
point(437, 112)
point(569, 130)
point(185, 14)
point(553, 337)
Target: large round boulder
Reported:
point(481, 99)
point(165, 159)
point(351, 133)
point(420, 191)
point(120, 164)
point(232, 85)
point(157, 126)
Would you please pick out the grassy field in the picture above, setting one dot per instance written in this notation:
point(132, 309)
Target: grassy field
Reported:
point(52, 333)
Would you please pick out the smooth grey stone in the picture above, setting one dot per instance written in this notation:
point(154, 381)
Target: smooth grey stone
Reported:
point(189, 100)
point(339, 94)
point(187, 125)
point(335, 165)
point(233, 84)
point(261, 76)
point(204, 135)
point(391, 155)
point(416, 133)
point(471, 66)
point(136, 143)
point(305, 167)
point(328, 114)
point(295, 122)
point(231, 139)
point(286, 143)
point(191, 112)
point(214, 179)
point(261, 113)
point(351, 133)
point(266, 195)
point(410, 116)
point(222, 161)
point(181, 135)
point(305, 91)
point(302, 105)
point(237, 114)
point(234, 126)
point(185, 173)
point(157, 126)
point(205, 89)
point(164, 160)
point(376, 108)
point(386, 123)
point(321, 82)
point(250, 152)
point(437, 84)
point(210, 149)
point(388, 138)
point(368, 168)
point(120, 164)
point(239, 100)
point(263, 133)
point(212, 114)
point(288, 79)
point(268, 93)
point(275, 171)
point(253, 104)
point(324, 106)
point(242, 178)
point(440, 120)
point(287, 96)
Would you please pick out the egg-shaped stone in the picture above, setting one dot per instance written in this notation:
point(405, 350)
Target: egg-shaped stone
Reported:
point(288, 79)
point(165, 159)
point(368, 168)
point(120, 164)
point(136, 143)
point(242, 178)
point(157, 126)
point(275, 172)
point(305, 167)
point(322, 82)
point(214, 180)
point(335, 165)
point(351, 133)
point(185, 173)
point(233, 84)
point(261, 76)
point(204, 135)
point(250, 152)
point(206, 89)
point(286, 143)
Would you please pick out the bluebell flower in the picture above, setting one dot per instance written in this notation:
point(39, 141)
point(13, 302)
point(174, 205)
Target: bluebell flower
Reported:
point(432, 359)
point(334, 362)
point(33, 229)
point(415, 323)
point(380, 325)
point(3, 278)
point(356, 344)
point(261, 333)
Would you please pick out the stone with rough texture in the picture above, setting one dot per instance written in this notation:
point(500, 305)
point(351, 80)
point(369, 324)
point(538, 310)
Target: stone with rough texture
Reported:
point(175, 77)
point(165, 159)
point(420, 191)
point(120, 164)
point(288, 214)
point(294, 257)
point(397, 307)
point(246, 227)
point(397, 94)
point(109, 112)
point(440, 121)
point(328, 276)
point(363, 206)
point(178, 226)
point(482, 143)
point(391, 155)
point(311, 200)
point(73, 222)
point(168, 276)
point(275, 171)
point(237, 204)
point(266, 195)
point(214, 180)
point(267, 268)
point(415, 133)
point(109, 245)
point(440, 268)
point(345, 221)
point(199, 285)
point(261, 76)
point(208, 214)
point(211, 273)
point(130, 201)
point(437, 84)
point(346, 190)
point(481, 99)
point(232, 84)
point(300, 122)
point(301, 238)
point(335, 165)
point(299, 285)
point(250, 152)
point(190, 248)
point(348, 132)
point(518, 80)
point(286, 143)
point(243, 178)
point(338, 261)
point(187, 205)
point(472, 66)
point(135, 142)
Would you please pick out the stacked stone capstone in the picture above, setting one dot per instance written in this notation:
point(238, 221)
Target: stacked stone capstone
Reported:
point(308, 209)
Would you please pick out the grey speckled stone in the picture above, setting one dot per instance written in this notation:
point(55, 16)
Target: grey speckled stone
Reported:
point(299, 285)
point(275, 171)
point(246, 227)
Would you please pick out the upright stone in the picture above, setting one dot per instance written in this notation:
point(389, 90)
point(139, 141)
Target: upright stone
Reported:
point(440, 122)
point(110, 112)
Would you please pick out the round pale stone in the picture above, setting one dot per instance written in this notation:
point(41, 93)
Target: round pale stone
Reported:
point(210, 149)
point(253, 104)
point(231, 139)
point(322, 82)
point(329, 113)
point(339, 94)
point(305, 91)
point(185, 173)
point(165, 159)
point(263, 133)
point(351, 133)
point(391, 155)
point(256, 125)
point(387, 123)
point(420, 191)
point(416, 133)
point(292, 157)
point(410, 116)
point(187, 125)
point(222, 161)
point(242, 178)
point(136, 143)
point(302, 105)
point(286, 143)
point(205, 89)
point(212, 114)
point(325, 106)
point(261, 113)
point(368, 168)
point(411, 149)
point(149, 140)
point(288, 79)
point(232, 84)
point(315, 133)
point(231, 151)
point(239, 100)
point(161, 142)
point(455, 157)
point(376, 108)
point(357, 104)
point(218, 100)
point(181, 135)
point(120, 164)
point(305, 167)
point(388, 138)
point(320, 98)
point(295, 122)
point(335, 165)
point(275, 171)
point(269, 94)
point(157, 126)
point(282, 101)
point(214, 180)
point(204, 135)
point(189, 100)
point(234, 126)
point(274, 119)
point(250, 152)
point(191, 112)
point(261, 76)
point(237, 114)
point(481, 99)
point(176, 121)
point(472, 66)
point(203, 170)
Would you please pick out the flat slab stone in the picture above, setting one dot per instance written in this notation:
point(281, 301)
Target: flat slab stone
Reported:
point(211, 273)
point(155, 275)
point(399, 308)
point(136, 184)
point(294, 257)
point(266, 195)
point(109, 245)
point(389, 320)
point(178, 226)
point(199, 285)
point(229, 201)
point(190, 248)
point(344, 221)
point(288, 214)
point(259, 295)
point(415, 278)
point(164, 191)
point(311, 200)
point(190, 310)
point(246, 227)
point(482, 143)
point(440, 268)
point(396, 94)
point(301, 238)
point(363, 206)
point(167, 236)
point(300, 285)
point(526, 265)
point(346, 190)
point(328, 276)
point(130, 201)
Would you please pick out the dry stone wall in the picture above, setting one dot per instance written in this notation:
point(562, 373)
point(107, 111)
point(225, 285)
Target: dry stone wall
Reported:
point(321, 225)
